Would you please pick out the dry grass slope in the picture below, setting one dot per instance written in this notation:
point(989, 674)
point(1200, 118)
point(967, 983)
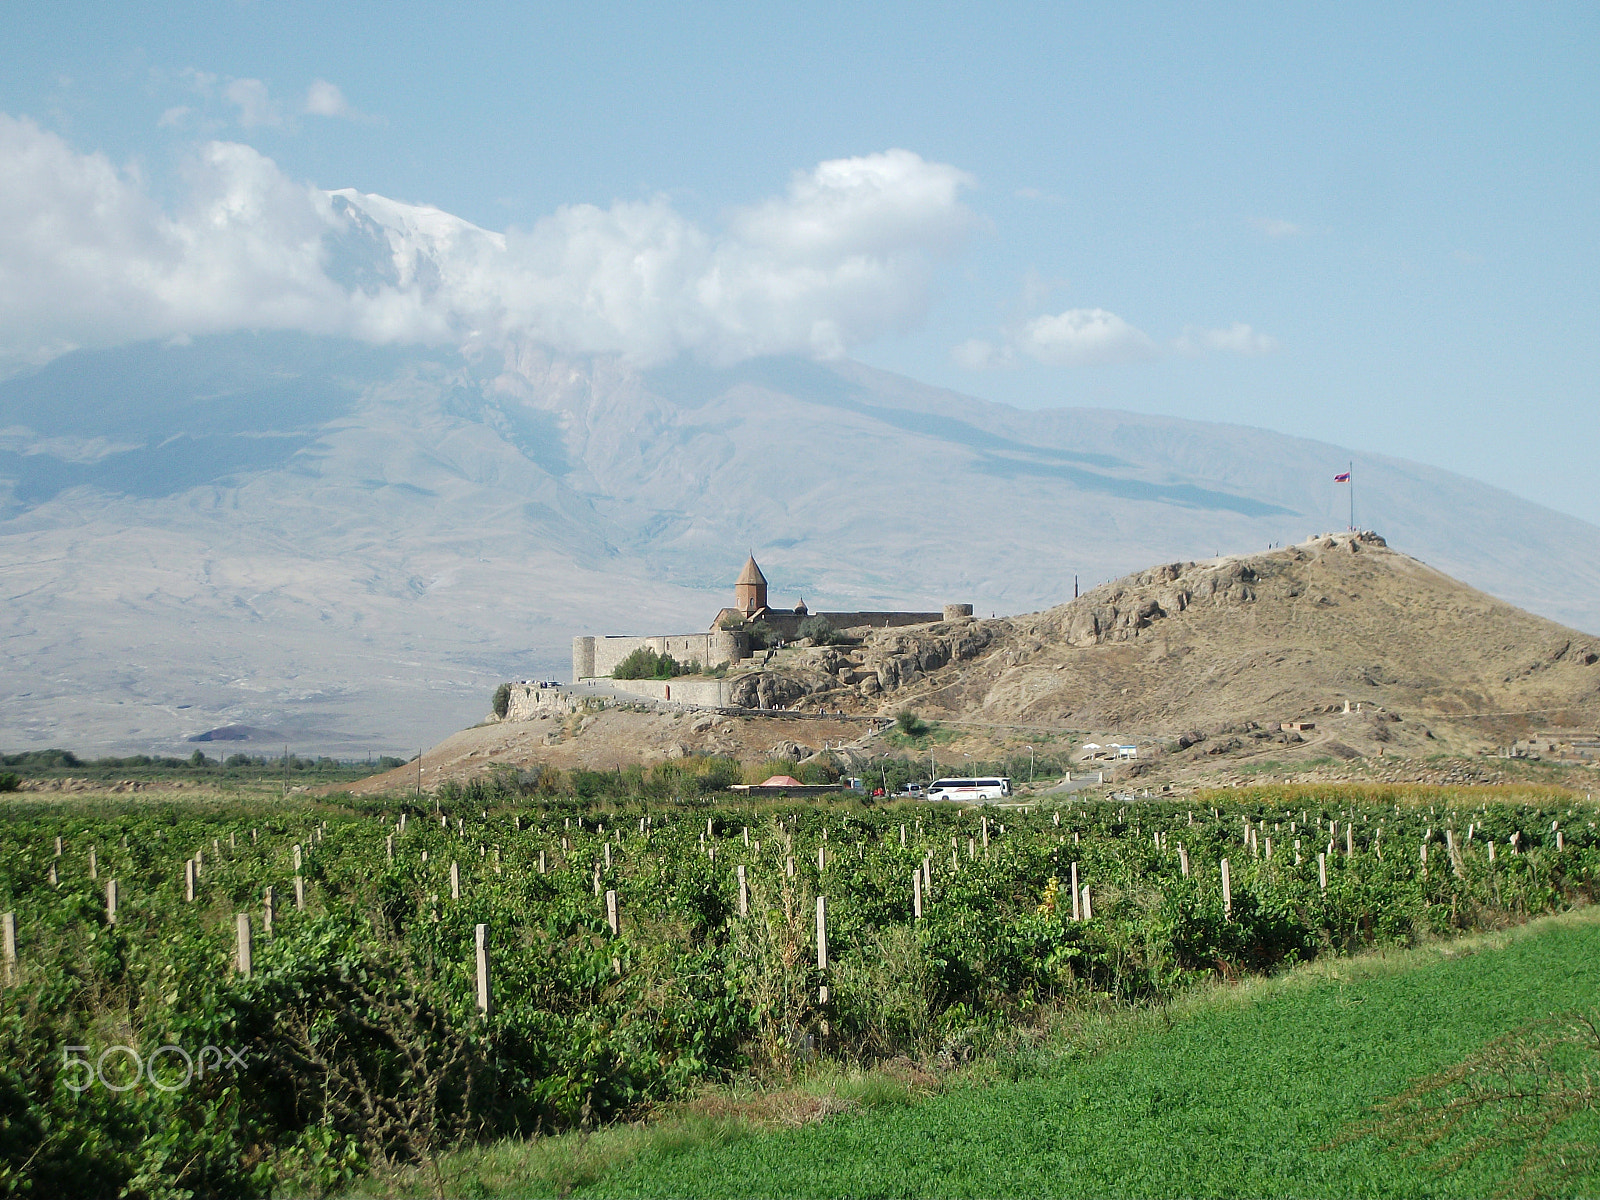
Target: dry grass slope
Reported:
point(1289, 634)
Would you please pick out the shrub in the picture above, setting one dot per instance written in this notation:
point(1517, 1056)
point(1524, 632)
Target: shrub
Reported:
point(821, 631)
point(645, 663)
point(910, 724)
point(502, 699)
point(9, 782)
point(816, 772)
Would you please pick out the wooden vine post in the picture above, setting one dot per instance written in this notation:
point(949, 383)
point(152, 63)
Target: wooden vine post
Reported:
point(241, 925)
point(480, 937)
point(744, 892)
point(614, 921)
point(822, 948)
point(1227, 890)
point(8, 935)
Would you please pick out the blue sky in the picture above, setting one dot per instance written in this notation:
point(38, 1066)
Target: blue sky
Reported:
point(1371, 226)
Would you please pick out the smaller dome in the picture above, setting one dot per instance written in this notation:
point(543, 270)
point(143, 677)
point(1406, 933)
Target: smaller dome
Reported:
point(800, 609)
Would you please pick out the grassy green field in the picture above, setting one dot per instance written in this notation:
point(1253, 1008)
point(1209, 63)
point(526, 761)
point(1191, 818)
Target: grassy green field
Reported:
point(1238, 1097)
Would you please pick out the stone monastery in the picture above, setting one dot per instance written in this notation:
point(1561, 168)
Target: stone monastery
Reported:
point(728, 642)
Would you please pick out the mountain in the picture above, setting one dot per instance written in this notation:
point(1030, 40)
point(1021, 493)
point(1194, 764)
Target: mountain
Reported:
point(349, 546)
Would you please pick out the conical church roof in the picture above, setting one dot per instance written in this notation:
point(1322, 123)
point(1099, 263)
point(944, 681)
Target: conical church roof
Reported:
point(751, 573)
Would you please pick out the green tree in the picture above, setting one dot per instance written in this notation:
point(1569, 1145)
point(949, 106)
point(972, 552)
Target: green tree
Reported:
point(821, 631)
point(645, 663)
point(502, 699)
point(910, 724)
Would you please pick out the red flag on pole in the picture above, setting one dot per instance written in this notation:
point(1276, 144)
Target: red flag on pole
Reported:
point(1342, 477)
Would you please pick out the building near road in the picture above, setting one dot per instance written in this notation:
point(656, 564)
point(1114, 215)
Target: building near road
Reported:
point(1571, 745)
point(735, 629)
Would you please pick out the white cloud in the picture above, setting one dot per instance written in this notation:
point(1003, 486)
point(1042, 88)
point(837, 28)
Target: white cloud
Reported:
point(976, 354)
point(1078, 337)
point(1083, 337)
point(203, 83)
point(324, 99)
point(1086, 337)
point(174, 116)
point(1238, 338)
point(255, 106)
point(87, 257)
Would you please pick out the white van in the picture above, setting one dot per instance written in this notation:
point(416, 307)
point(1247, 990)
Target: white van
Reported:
point(970, 789)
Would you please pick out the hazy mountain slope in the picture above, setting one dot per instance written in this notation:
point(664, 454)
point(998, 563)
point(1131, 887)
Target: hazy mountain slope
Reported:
point(1006, 505)
point(353, 545)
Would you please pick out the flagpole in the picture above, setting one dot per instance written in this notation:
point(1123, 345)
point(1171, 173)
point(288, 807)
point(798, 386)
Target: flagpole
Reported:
point(1352, 496)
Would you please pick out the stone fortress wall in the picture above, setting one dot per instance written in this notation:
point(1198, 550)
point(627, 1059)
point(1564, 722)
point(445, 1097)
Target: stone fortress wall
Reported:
point(596, 656)
point(787, 624)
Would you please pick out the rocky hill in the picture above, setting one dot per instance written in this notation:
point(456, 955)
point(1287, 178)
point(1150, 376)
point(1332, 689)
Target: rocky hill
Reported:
point(1217, 653)
point(1369, 653)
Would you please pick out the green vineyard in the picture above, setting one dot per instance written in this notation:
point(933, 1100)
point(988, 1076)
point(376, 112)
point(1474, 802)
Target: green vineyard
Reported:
point(234, 1000)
